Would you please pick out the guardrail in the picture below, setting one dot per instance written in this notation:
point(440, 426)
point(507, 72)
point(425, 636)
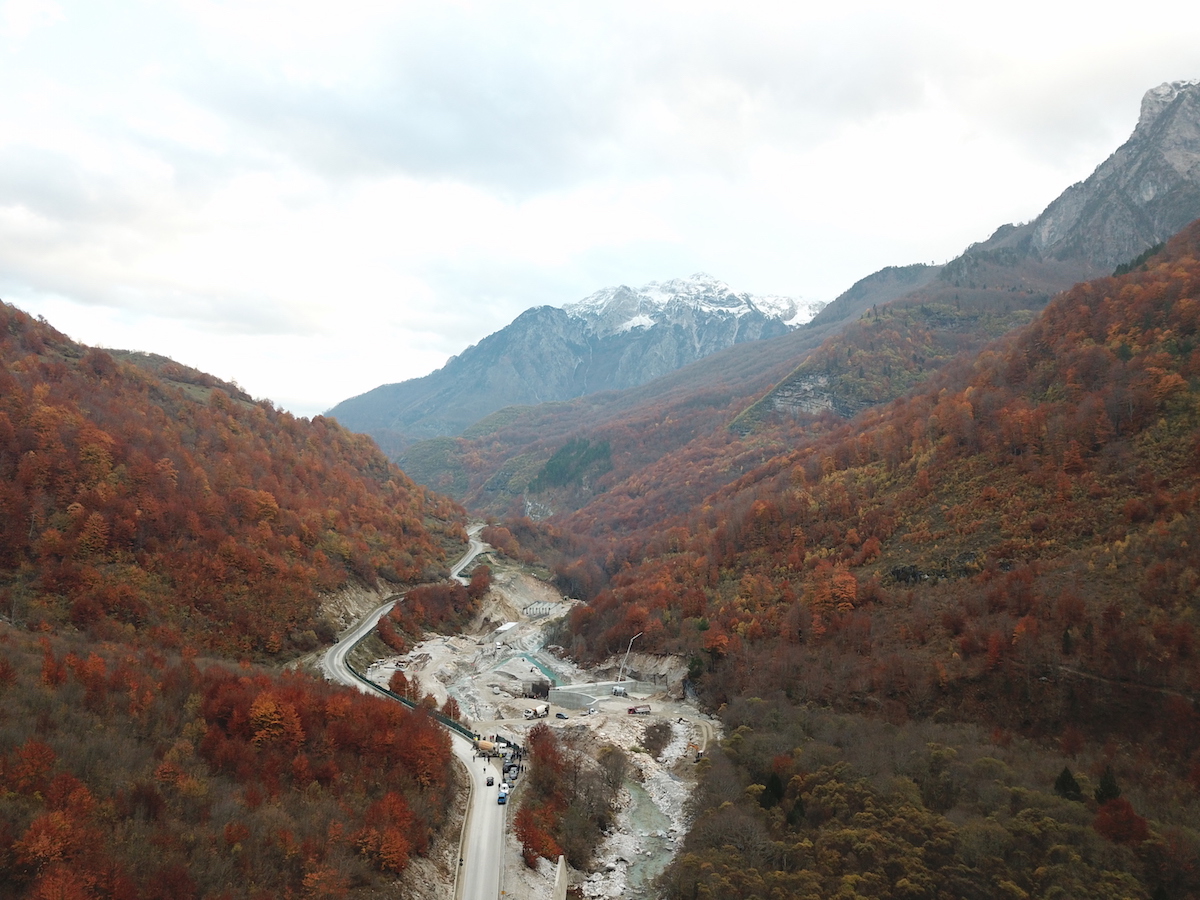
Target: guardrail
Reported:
point(443, 719)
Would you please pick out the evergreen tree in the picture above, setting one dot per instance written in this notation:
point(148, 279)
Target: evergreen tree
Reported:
point(1066, 786)
point(1108, 789)
point(795, 815)
point(774, 791)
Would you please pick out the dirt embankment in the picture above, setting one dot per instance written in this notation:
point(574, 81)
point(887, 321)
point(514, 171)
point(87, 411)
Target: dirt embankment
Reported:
point(346, 606)
point(665, 672)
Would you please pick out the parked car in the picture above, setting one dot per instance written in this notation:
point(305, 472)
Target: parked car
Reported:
point(490, 781)
point(560, 715)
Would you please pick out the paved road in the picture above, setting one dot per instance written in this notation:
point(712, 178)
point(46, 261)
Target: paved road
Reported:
point(483, 842)
point(333, 663)
point(484, 829)
point(483, 848)
point(474, 549)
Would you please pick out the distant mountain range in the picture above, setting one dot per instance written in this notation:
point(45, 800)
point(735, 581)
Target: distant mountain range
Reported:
point(619, 337)
point(877, 341)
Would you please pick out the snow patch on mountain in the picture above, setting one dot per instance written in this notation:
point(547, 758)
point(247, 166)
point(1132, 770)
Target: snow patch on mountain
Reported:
point(1158, 99)
point(642, 321)
point(619, 309)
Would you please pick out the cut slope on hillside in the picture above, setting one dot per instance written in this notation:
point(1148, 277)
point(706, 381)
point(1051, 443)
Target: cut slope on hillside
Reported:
point(148, 497)
point(890, 349)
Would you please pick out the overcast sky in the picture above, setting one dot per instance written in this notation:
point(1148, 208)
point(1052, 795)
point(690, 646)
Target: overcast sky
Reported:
point(315, 199)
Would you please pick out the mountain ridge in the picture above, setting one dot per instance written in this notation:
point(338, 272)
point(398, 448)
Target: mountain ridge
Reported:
point(617, 338)
point(1137, 198)
point(880, 338)
point(1142, 194)
point(656, 301)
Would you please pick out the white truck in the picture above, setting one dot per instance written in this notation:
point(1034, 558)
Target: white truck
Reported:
point(538, 712)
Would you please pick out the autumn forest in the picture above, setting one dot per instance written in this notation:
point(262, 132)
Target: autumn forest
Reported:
point(988, 581)
point(165, 545)
point(949, 622)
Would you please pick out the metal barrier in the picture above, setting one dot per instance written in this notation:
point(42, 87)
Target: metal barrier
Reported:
point(444, 720)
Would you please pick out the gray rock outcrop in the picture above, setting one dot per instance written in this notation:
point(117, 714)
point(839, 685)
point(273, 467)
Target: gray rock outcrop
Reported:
point(1147, 190)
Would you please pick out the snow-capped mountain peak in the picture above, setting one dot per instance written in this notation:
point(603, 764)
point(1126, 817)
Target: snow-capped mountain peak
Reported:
point(619, 309)
point(1156, 100)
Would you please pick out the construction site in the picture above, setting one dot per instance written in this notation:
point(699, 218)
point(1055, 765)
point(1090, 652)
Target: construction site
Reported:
point(506, 680)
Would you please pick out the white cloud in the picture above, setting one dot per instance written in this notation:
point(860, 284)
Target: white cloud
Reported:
point(315, 203)
point(20, 18)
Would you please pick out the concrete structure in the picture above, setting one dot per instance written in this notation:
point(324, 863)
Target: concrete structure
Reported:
point(572, 699)
point(539, 609)
point(560, 880)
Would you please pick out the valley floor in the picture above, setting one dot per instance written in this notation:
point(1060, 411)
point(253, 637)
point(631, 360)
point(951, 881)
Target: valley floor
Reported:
point(486, 669)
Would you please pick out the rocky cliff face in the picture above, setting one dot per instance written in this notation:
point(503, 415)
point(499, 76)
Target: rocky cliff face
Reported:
point(1141, 195)
point(619, 337)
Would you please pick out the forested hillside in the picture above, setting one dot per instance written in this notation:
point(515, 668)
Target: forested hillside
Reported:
point(148, 513)
point(136, 775)
point(1059, 464)
point(152, 499)
point(1011, 546)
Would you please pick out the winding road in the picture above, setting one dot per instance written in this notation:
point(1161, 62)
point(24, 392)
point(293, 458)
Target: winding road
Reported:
point(482, 848)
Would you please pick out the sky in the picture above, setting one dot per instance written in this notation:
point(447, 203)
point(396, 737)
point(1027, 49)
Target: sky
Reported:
point(315, 199)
